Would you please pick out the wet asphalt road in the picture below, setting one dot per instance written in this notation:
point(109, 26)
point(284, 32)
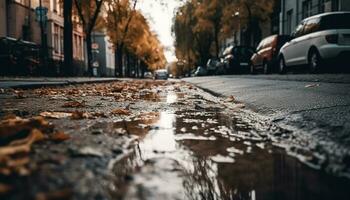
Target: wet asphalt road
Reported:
point(304, 101)
point(161, 140)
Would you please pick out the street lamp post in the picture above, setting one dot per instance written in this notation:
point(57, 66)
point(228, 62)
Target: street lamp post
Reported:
point(237, 14)
point(43, 34)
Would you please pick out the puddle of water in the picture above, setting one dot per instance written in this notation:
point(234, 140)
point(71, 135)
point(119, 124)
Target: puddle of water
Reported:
point(216, 162)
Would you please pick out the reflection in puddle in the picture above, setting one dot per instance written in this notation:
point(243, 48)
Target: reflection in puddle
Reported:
point(161, 138)
point(218, 161)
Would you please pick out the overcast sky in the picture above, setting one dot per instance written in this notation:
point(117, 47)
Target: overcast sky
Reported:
point(160, 18)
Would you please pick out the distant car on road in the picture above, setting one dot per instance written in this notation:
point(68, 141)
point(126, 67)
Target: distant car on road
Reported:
point(265, 57)
point(238, 58)
point(200, 71)
point(161, 74)
point(148, 75)
point(317, 39)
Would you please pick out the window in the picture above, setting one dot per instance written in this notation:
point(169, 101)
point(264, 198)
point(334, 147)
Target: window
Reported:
point(335, 5)
point(312, 26)
point(335, 21)
point(54, 6)
point(307, 8)
point(321, 6)
point(55, 38)
point(61, 40)
point(289, 21)
point(299, 30)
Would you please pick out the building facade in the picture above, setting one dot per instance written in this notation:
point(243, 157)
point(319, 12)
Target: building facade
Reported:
point(293, 11)
point(103, 54)
point(18, 20)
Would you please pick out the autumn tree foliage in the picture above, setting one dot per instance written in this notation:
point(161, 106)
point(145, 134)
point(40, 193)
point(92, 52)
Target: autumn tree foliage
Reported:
point(249, 10)
point(200, 25)
point(130, 33)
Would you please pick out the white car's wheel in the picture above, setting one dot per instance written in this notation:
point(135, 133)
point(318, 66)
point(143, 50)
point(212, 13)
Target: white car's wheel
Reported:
point(282, 69)
point(314, 61)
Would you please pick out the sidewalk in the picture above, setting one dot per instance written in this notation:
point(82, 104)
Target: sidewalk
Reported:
point(35, 82)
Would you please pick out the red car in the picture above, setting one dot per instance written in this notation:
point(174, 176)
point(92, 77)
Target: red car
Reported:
point(266, 55)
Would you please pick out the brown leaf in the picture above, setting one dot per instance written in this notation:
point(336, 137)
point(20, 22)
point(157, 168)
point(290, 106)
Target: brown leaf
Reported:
point(117, 89)
point(74, 104)
point(80, 115)
point(120, 111)
point(19, 94)
point(230, 99)
point(59, 136)
point(55, 115)
point(11, 127)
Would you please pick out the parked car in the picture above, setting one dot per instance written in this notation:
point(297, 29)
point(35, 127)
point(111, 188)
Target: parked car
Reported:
point(265, 57)
point(212, 65)
point(317, 39)
point(238, 58)
point(216, 67)
point(161, 74)
point(200, 71)
point(148, 75)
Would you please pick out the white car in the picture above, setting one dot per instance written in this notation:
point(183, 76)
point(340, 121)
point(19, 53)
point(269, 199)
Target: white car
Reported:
point(317, 39)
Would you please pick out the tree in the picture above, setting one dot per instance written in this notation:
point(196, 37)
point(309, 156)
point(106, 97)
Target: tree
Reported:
point(130, 33)
point(249, 10)
point(194, 35)
point(88, 12)
point(119, 17)
point(68, 36)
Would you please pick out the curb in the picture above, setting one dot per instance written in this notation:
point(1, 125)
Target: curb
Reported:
point(38, 84)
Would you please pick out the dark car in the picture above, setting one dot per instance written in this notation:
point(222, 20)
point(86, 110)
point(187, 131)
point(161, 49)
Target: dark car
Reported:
point(238, 58)
point(161, 74)
point(266, 56)
point(200, 71)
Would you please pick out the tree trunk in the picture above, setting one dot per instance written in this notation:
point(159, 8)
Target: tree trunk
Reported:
point(68, 38)
point(217, 45)
point(249, 28)
point(119, 59)
point(89, 53)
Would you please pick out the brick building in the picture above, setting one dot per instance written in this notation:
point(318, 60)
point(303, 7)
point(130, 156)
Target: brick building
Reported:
point(18, 20)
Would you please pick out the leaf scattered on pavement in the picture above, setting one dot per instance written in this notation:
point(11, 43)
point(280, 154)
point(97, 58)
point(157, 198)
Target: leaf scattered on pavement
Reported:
point(56, 115)
point(74, 104)
point(59, 136)
point(120, 111)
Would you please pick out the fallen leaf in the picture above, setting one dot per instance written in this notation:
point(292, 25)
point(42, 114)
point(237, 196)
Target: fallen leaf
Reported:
point(74, 104)
point(55, 115)
point(19, 94)
point(230, 99)
point(59, 136)
point(10, 128)
point(80, 115)
point(120, 111)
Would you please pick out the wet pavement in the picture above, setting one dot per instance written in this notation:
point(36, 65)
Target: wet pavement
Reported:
point(163, 140)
